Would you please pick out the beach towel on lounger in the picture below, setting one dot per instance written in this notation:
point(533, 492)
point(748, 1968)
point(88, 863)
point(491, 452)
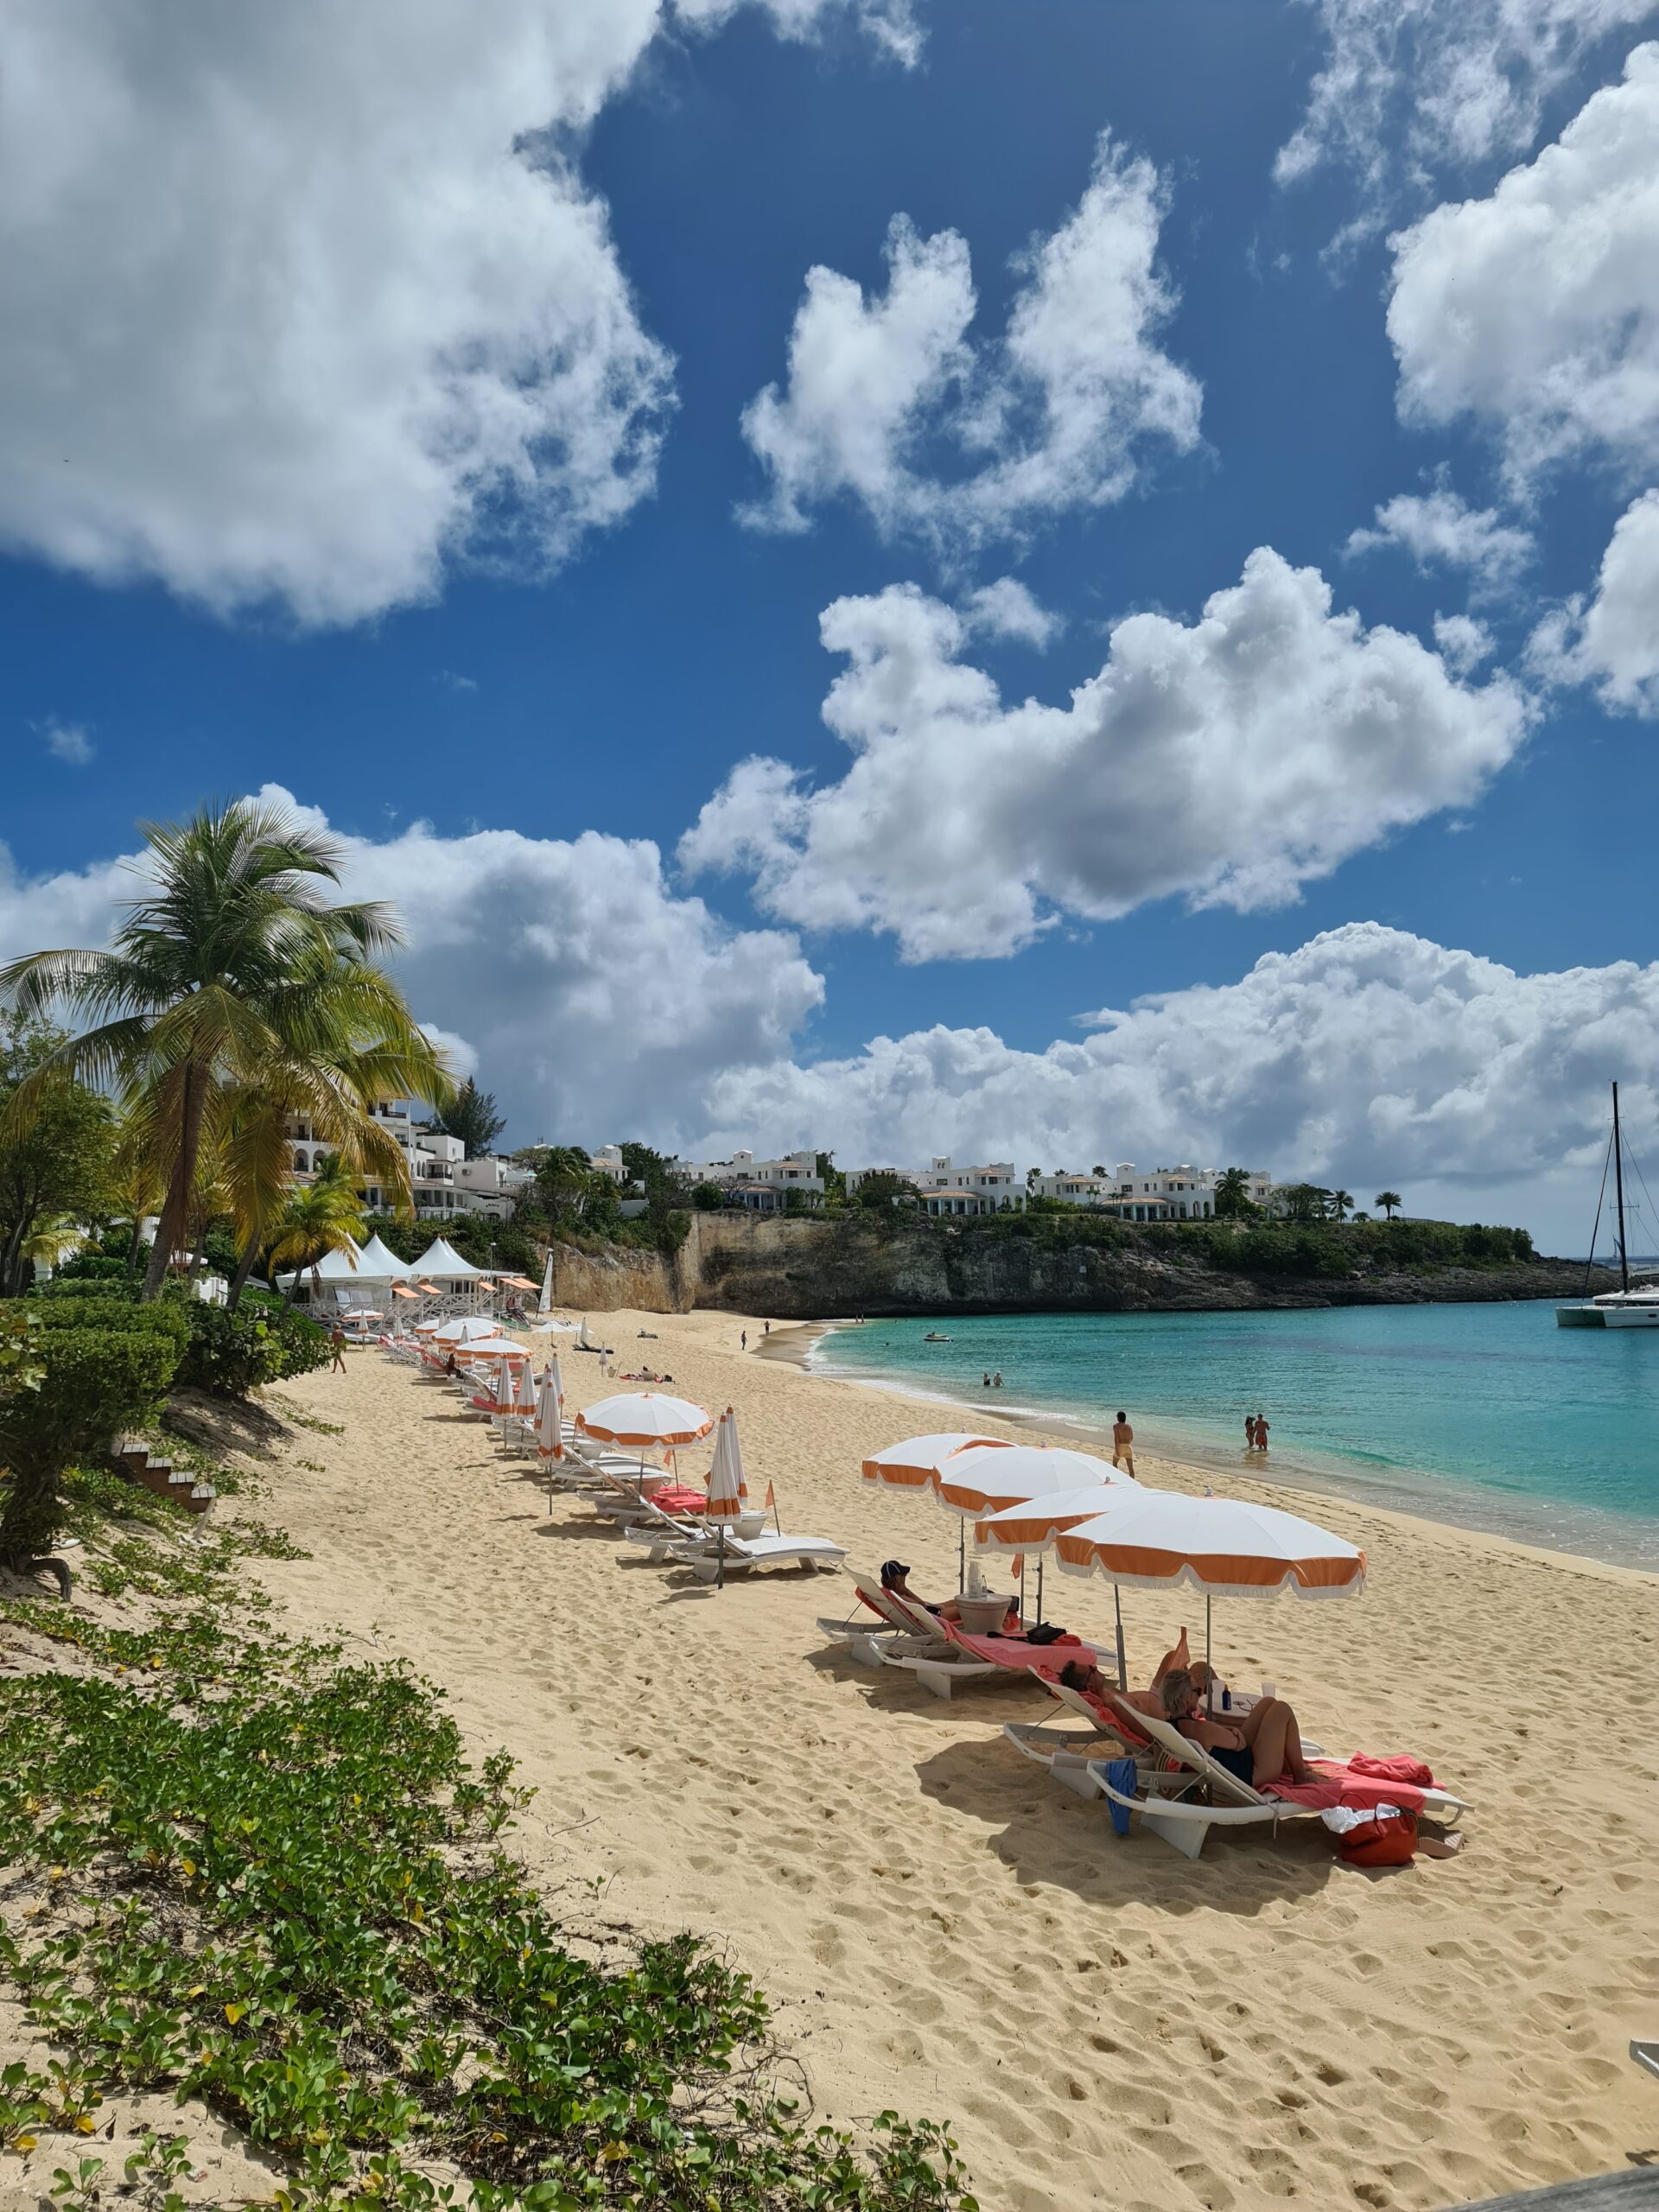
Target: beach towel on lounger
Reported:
point(1342, 1782)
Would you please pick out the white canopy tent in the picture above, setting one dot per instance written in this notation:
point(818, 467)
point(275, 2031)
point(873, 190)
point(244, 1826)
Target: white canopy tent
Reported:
point(441, 1263)
point(332, 1267)
point(377, 1262)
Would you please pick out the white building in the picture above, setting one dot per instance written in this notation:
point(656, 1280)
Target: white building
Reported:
point(763, 1185)
point(945, 1189)
point(607, 1160)
point(1184, 1193)
point(442, 1181)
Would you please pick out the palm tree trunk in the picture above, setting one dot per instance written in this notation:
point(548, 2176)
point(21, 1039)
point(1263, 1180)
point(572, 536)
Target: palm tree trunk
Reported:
point(244, 1270)
point(175, 1211)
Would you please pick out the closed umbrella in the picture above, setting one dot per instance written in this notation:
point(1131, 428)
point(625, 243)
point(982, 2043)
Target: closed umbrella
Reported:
point(728, 1494)
point(646, 1417)
point(1219, 1547)
point(549, 1413)
point(524, 1404)
point(504, 1389)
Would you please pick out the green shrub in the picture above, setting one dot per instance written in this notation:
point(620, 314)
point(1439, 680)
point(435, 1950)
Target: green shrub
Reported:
point(91, 1267)
point(231, 1353)
point(80, 1287)
point(94, 1382)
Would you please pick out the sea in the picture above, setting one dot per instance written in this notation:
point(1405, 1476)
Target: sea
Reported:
point(1488, 1416)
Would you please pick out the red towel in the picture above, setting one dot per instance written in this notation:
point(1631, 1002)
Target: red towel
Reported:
point(1403, 1767)
point(1347, 1783)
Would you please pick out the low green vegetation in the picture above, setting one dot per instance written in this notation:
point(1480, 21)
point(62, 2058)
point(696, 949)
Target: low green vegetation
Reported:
point(268, 1879)
point(572, 1202)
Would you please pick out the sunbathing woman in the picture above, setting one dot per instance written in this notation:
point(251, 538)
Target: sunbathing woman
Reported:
point(1261, 1745)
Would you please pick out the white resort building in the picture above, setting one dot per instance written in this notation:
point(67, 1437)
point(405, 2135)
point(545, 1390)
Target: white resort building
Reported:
point(442, 1181)
point(1182, 1193)
point(764, 1186)
point(946, 1191)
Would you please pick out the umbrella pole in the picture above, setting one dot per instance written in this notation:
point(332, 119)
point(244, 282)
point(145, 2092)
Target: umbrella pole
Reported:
point(961, 1557)
point(1123, 1663)
point(1040, 1590)
point(1022, 1585)
point(720, 1558)
point(1209, 1672)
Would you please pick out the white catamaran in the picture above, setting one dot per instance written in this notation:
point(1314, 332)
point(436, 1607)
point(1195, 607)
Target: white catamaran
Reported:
point(1630, 1306)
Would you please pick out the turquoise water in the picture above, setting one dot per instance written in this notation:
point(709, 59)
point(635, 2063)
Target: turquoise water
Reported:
point(1487, 1415)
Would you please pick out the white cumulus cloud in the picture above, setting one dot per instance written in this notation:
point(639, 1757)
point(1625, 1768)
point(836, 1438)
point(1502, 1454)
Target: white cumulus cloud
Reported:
point(1229, 760)
point(70, 742)
point(579, 986)
point(1611, 641)
point(1535, 310)
point(1440, 529)
point(893, 401)
point(1006, 608)
point(297, 304)
point(1368, 1057)
point(1411, 91)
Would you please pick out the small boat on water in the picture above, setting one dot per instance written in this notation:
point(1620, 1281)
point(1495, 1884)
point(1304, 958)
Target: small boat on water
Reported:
point(1631, 1305)
point(934, 1337)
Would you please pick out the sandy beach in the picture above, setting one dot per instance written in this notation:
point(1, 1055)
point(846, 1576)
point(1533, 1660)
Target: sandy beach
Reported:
point(946, 1932)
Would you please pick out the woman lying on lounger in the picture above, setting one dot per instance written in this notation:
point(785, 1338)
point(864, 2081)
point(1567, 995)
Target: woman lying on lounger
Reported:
point(1261, 1745)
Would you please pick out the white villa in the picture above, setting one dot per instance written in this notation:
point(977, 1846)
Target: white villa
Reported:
point(762, 1185)
point(443, 1182)
point(947, 1190)
point(1184, 1193)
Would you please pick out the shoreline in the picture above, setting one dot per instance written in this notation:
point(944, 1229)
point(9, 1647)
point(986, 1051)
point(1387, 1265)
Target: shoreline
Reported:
point(795, 1342)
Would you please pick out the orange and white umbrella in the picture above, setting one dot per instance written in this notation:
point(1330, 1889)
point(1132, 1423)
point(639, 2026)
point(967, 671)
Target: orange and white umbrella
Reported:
point(914, 1464)
point(728, 1494)
point(504, 1387)
point(524, 1405)
point(646, 1417)
point(1220, 1546)
point(501, 1348)
point(1032, 1523)
point(977, 1482)
point(550, 1413)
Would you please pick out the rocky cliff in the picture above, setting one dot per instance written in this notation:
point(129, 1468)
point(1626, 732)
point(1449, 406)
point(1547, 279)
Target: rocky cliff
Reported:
point(809, 1270)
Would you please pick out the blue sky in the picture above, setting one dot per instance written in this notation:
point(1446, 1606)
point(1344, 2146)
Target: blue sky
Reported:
point(507, 642)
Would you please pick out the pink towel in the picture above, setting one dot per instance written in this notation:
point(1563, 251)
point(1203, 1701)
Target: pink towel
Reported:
point(1344, 1782)
point(1045, 1659)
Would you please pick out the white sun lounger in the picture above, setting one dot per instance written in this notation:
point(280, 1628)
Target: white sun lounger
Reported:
point(1646, 2056)
point(744, 1552)
point(959, 1663)
point(884, 1623)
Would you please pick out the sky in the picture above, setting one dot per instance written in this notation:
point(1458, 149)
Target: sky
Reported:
point(1036, 579)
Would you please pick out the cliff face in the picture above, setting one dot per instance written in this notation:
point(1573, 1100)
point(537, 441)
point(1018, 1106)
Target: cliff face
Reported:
point(808, 1270)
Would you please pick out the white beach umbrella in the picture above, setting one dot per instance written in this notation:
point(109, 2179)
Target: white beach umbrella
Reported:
point(728, 1494)
point(504, 1389)
point(975, 1482)
point(549, 1413)
point(524, 1404)
point(1033, 1524)
point(646, 1417)
point(1220, 1546)
point(544, 1304)
point(463, 1331)
point(501, 1348)
point(914, 1464)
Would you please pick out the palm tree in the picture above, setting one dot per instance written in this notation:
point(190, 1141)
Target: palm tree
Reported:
point(1340, 1203)
point(1233, 1193)
point(1387, 1200)
point(320, 1217)
point(359, 1046)
point(198, 996)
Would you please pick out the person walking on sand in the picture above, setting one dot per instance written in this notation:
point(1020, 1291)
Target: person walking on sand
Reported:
point(1261, 1432)
point(337, 1344)
point(743, 1341)
point(1123, 1444)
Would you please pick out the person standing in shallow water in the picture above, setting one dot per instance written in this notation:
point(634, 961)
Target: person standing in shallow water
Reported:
point(1250, 1431)
point(1261, 1432)
point(1123, 1444)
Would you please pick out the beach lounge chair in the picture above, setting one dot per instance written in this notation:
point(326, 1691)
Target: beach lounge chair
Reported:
point(981, 1658)
point(1646, 2056)
point(884, 1623)
point(1173, 1770)
point(744, 1552)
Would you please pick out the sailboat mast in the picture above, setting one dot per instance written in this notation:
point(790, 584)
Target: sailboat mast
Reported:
point(1618, 1192)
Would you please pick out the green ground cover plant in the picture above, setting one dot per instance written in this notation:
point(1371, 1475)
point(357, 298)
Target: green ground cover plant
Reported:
point(243, 1870)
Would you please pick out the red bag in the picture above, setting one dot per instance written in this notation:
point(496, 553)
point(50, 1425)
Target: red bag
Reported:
point(1390, 1839)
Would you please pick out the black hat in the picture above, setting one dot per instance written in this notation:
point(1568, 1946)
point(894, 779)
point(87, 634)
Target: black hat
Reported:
point(892, 1570)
